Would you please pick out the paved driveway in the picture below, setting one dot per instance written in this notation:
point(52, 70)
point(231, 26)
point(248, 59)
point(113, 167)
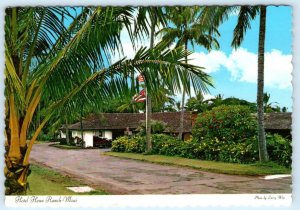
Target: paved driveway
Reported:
point(123, 176)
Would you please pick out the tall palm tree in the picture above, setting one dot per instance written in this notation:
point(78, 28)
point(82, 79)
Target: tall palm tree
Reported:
point(184, 29)
point(217, 15)
point(42, 59)
point(156, 18)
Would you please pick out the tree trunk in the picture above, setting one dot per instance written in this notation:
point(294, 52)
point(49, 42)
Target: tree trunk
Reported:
point(67, 132)
point(15, 170)
point(15, 178)
point(148, 99)
point(182, 104)
point(263, 154)
point(81, 126)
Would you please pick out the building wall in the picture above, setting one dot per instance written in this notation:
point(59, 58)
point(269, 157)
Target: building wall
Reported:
point(107, 134)
point(76, 133)
point(62, 134)
point(88, 138)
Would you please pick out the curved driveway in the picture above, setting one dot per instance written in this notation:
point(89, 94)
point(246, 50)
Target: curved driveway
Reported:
point(124, 176)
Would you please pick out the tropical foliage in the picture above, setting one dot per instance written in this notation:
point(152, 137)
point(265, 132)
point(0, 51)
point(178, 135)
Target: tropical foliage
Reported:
point(230, 123)
point(215, 149)
point(216, 16)
point(184, 29)
point(46, 60)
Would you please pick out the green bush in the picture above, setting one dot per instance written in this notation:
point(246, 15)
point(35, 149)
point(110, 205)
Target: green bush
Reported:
point(135, 144)
point(279, 149)
point(45, 137)
point(245, 151)
point(119, 145)
point(235, 152)
point(227, 123)
point(63, 141)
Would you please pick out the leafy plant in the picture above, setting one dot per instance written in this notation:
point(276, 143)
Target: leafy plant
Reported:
point(226, 123)
point(156, 127)
point(135, 144)
point(279, 149)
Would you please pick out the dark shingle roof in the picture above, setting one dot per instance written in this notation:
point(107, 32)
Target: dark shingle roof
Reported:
point(111, 121)
point(278, 121)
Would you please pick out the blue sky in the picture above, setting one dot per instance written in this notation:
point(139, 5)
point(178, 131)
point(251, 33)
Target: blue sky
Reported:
point(235, 78)
point(234, 71)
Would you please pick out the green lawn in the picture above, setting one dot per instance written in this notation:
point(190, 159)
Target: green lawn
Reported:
point(43, 181)
point(65, 146)
point(212, 166)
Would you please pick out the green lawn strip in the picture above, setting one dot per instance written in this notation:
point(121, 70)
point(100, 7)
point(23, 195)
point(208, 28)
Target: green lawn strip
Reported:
point(64, 146)
point(211, 166)
point(43, 181)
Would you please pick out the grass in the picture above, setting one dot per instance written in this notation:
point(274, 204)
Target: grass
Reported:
point(211, 166)
point(65, 146)
point(43, 181)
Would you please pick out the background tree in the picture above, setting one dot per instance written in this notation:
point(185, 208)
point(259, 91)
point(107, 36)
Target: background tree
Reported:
point(268, 106)
point(197, 103)
point(184, 28)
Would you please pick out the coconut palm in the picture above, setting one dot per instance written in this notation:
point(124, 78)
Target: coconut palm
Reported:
point(184, 29)
point(217, 15)
point(44, 58)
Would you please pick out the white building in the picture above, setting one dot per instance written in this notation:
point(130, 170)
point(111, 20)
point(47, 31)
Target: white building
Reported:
point(113, 125)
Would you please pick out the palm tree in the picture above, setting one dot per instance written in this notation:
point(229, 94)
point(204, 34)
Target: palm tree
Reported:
point(156, 17)
point(197, 103)
point(185, 29)
point(268, 105)
point(217, 15)
point(42, 59)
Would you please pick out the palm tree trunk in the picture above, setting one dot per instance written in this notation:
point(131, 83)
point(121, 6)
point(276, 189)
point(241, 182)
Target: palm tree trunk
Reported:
point(263, 154)
point(148, 99)
point(67, 132)
point(180, 134)
point(81, 126)
point(15, 171)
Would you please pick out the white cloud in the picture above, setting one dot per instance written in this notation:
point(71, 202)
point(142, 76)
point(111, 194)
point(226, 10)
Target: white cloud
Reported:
point(211, 61)
point(242, 65)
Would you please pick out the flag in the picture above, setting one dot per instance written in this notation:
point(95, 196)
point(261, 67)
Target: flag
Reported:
point(140, 78)
point(141, 97)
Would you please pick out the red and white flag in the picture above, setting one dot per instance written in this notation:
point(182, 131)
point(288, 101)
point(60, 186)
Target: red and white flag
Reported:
point(140, 78)
point(141, 97)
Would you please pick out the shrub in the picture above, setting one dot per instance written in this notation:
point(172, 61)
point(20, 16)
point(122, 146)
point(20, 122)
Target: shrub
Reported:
point(119, 145)
point(245, 151)
point(226, 123)
point(171, 147)
point(63, 141)
point(279, 149)
point(45, 137)
point(135, 144)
